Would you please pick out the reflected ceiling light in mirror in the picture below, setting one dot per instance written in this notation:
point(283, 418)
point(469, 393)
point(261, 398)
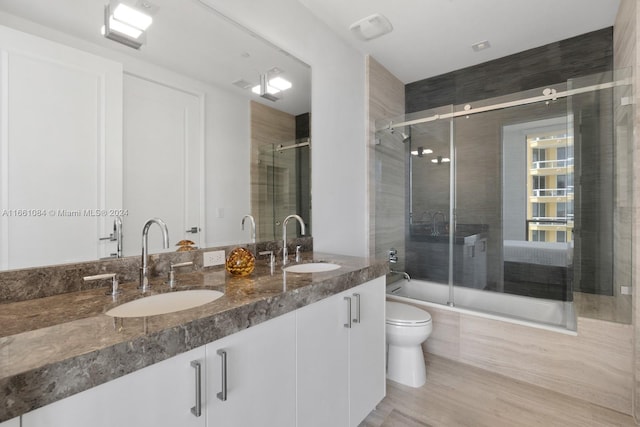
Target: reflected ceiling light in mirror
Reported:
point(127, 23)
point(280, 83)
point(268, 89)
point(421, 151)
point(440, 160)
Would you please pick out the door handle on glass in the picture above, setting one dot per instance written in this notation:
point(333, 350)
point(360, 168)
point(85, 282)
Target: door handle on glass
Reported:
point(348, 300)
point(197, 410)
point(222, 395)
point(193, 230)
point(357, 318)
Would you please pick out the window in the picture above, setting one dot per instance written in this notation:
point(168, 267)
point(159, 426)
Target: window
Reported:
point(561, 210)
point(564, 210)
point(538, 236)
point(561, 181)
point(565, 153)
point(561, 236)
point(539, 154)
point(539, 182)
point(539, 210)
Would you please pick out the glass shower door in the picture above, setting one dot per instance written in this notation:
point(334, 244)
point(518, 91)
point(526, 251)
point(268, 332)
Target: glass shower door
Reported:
point(413, 174)
point(431, 214)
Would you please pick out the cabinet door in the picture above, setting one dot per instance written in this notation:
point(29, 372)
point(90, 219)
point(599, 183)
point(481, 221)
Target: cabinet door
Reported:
point(159, 395)
point(323, 363)
point(15, 422)
point(60, 151)
point(367, 350)
point(260, 376)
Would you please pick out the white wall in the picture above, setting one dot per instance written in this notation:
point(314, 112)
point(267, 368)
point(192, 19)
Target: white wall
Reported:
point(339, 161)
point(227, 145)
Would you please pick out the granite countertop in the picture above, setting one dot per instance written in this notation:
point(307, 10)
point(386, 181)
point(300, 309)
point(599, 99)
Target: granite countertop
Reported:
point(56, 346)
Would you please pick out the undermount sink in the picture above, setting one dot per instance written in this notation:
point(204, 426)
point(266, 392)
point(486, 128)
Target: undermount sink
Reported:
point(165, 303)
point(311, 267)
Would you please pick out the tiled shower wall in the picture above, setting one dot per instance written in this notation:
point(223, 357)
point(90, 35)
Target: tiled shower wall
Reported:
point(553, 63)
point(387, 166)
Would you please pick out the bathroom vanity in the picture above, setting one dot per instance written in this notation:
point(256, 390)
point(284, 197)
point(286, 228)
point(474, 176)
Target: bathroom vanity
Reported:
point(278, 349)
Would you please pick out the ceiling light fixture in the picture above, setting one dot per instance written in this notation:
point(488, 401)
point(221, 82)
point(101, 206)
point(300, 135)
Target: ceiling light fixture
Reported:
point(371, 27)
point(126, 24)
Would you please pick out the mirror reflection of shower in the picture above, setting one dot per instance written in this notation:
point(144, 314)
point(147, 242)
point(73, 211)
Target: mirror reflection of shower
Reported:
point(284, 173)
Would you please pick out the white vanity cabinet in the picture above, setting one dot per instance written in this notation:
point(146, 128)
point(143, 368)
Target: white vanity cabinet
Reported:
point(259, 367)
point(15, 422)
point(341, 351)
point(321, 365)
point(159, 395)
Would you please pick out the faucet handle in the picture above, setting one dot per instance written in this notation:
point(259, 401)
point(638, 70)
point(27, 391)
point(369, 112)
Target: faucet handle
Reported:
point(272, 257)
point(180, 264)
point(393, 255)
point(114, 282)
point(171, 280)
point(298, 255)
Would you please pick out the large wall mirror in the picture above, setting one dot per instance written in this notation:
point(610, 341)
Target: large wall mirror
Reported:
point(190, 128)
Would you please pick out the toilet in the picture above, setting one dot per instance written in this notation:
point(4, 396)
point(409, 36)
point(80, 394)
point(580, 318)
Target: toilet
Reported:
point(407, 327)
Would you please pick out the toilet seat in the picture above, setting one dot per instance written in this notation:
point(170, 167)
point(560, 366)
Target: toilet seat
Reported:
point(399, 314)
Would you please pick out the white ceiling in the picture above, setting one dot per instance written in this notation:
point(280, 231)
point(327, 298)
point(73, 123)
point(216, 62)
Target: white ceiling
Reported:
point(186, 36)
point(432, 37)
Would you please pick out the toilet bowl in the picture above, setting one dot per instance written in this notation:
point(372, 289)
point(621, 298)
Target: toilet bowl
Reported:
point(407, 327)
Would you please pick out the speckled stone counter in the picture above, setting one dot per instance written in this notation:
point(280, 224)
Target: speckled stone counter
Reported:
point(56, 346)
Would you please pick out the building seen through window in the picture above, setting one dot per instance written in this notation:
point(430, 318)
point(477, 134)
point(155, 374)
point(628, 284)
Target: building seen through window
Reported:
point(549, 187)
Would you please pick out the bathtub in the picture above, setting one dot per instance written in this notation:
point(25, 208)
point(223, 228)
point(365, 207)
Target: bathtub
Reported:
point(552, 315)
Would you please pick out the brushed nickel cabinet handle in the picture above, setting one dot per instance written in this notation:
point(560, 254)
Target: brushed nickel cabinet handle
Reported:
point(197, 410)
point(348, 324)
point(357, 318)
point(222, 395)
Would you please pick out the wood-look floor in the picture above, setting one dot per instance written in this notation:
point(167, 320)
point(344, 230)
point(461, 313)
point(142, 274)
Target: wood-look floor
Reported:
point(461, 395)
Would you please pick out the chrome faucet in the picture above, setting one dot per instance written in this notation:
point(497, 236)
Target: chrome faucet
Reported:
point(285, 252)
point(144, 270)
point(253, 226)
point(117, 224)
point(403, 273)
